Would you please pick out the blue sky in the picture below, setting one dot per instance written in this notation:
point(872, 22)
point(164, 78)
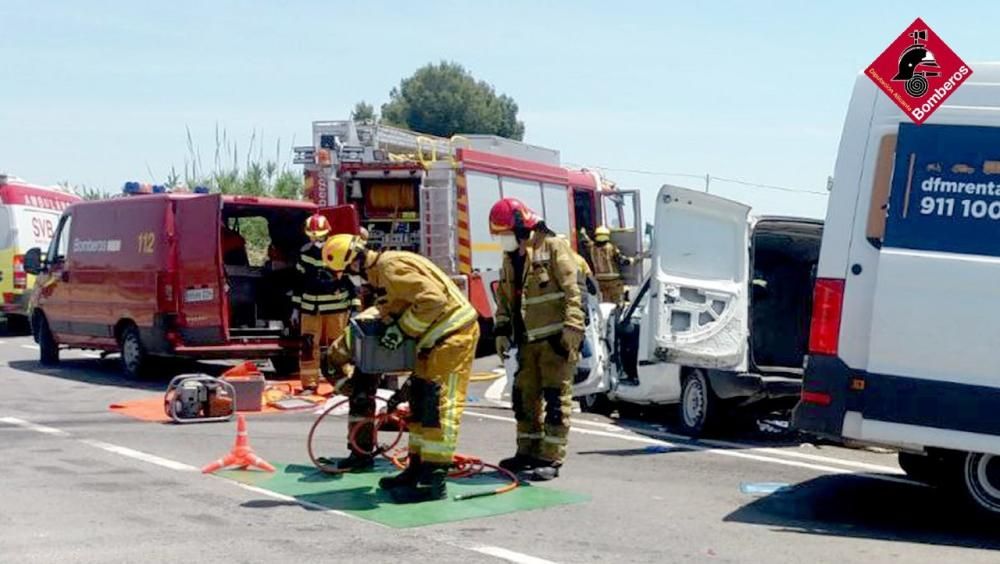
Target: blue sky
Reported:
point(98, 93)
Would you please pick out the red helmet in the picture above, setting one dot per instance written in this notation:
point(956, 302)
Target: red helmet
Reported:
point(509, 213)
point(317, 226)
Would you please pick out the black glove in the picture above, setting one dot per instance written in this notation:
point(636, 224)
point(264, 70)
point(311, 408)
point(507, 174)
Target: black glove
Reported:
point(402, 395)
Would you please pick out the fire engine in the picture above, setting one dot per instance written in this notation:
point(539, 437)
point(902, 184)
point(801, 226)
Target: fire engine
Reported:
point(432, 195)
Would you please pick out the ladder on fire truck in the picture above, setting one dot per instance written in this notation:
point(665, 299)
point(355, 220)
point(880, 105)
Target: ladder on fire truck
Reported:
point(438, 219)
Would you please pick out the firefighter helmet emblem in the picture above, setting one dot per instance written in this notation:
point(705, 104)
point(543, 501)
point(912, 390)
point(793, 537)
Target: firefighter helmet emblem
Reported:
point(914, 63)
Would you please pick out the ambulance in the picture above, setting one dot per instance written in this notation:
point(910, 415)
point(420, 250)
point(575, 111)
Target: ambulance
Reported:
point(28, 216)
point(904, 344)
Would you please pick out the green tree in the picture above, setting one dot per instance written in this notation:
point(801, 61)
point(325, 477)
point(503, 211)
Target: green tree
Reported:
point(445, 99)
point(363, 111)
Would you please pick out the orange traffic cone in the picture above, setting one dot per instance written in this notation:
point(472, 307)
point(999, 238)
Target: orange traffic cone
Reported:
point(242, 454)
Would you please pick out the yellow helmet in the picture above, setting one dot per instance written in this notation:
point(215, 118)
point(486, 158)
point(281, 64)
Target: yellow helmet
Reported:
point(602, 234)
point(341, 250)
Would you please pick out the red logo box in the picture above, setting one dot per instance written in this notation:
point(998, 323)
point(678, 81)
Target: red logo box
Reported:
point(918, 71)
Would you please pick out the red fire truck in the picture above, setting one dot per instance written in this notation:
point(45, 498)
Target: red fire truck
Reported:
point(432, 195)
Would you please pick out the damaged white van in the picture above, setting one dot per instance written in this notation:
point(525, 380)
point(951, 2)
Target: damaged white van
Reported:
point(905, 338)
point(720, 323)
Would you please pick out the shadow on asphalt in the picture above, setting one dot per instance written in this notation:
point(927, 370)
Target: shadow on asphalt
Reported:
point(858, 507)
point(771, 430)
point(108, 371)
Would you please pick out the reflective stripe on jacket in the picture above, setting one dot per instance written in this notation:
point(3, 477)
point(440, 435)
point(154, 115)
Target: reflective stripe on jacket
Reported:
point(318, 290)
point(426, 303)
point(607, 260)
point(550, 296)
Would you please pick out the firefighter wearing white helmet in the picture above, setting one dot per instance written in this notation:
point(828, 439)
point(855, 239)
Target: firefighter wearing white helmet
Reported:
point(608, 261)
point(322, 303)
point(415, 299)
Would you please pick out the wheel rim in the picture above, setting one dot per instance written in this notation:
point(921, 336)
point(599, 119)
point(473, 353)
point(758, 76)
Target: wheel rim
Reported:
point(130, 352)
point(694, 401)
point(982, 476)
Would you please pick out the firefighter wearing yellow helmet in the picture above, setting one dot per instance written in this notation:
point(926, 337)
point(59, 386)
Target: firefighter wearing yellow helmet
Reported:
point(322, 303)
point(417, 300)
point(608, 261)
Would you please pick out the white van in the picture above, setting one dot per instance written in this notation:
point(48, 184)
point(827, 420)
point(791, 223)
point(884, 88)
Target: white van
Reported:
point(28, 218)
point(905, 336)
point(721, 322)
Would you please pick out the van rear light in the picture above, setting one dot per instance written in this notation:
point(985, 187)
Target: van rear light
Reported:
point(20, 276)
point(824, 329)
point(816, 398)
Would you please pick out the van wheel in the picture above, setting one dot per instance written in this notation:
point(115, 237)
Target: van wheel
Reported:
point(135, 360)
point(699, 405)
point(49, 355)
point(596, 403)
point(981, 478)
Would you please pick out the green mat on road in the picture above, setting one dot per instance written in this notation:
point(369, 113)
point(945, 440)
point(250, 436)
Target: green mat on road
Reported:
point(358, 494)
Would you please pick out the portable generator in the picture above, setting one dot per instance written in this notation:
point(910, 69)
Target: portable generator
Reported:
point(199, 398)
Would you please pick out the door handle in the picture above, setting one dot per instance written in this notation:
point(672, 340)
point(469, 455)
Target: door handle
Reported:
point(64, 276)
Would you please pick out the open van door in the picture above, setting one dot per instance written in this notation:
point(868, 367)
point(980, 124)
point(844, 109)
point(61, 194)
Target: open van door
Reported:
point(343, 219)
point(698, 300)
point(198, 260)
point(621, 213)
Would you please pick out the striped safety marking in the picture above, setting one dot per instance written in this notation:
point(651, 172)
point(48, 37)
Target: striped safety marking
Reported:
point(464, 236)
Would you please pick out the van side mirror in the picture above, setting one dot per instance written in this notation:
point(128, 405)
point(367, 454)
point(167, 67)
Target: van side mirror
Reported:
point(33, 261)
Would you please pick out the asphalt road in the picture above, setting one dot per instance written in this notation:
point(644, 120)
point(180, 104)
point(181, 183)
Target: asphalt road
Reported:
point(82, 484)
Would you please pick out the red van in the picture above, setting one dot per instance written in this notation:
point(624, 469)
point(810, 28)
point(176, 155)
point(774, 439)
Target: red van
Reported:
point(170, 275)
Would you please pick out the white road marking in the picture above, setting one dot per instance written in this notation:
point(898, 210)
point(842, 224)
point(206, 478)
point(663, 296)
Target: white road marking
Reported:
point(139, 455)
point(509, 555)
point(494, 551)
point(743, 453)
point(32, 347)
point(32, 426)
point(290, 499)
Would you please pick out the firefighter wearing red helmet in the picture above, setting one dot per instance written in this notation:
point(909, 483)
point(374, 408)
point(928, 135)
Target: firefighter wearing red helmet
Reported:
point(322, 303)
point(539, 309)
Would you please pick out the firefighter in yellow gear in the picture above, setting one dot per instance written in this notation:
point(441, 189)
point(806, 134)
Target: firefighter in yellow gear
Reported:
point(539, 310)
point(608, 261)
point(322, 303)
point(416, 300)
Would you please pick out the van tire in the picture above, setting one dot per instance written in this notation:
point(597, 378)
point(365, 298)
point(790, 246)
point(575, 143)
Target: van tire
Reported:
point(596, 403)
point(48, 347)
point(699, 407)
point(980, 481)
point(134, 358)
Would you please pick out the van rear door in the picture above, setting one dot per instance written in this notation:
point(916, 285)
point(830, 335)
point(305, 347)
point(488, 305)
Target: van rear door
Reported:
point(202, 299)
point(698, 300)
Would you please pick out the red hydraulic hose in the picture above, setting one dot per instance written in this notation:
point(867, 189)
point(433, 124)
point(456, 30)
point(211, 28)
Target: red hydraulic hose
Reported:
point(463, 466)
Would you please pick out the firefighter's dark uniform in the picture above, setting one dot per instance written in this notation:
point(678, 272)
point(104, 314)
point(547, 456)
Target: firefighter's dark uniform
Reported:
point(324, 303)
point(537, 299)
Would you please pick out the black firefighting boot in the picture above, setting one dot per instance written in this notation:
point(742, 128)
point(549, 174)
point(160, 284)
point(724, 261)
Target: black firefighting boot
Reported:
point(430, 487)
point(356, 462)
point(408, 477)
point(544, 472)
point(519, 463)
